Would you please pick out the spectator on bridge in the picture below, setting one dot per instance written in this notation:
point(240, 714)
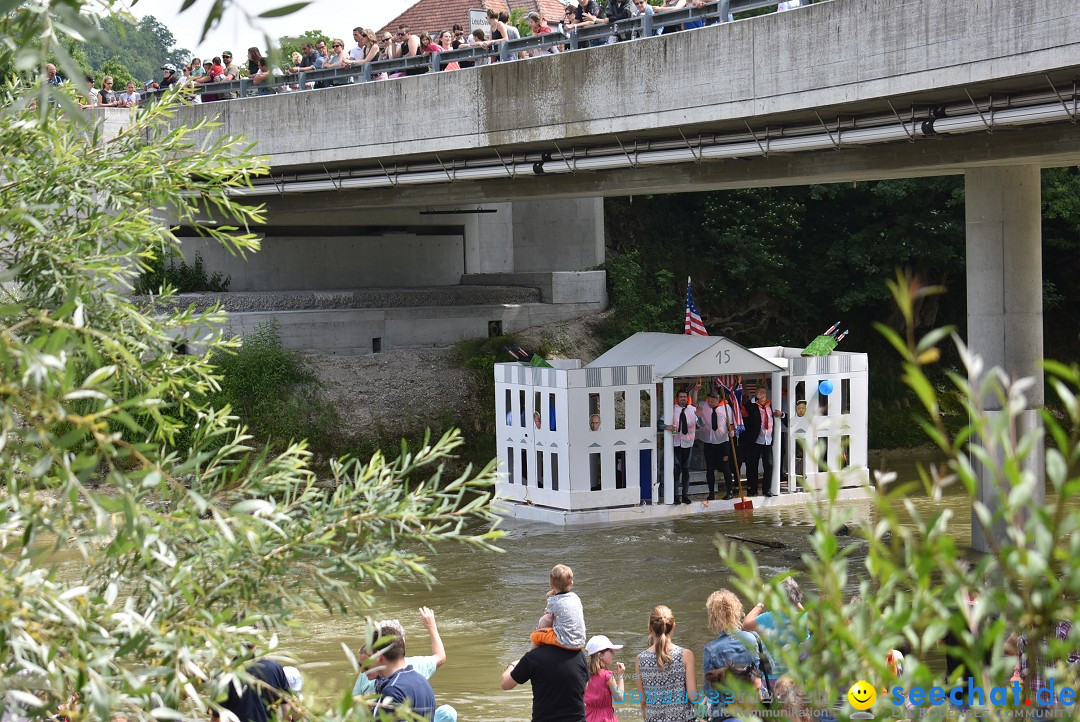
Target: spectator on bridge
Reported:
point(130, 97)
point(479, 37)
point(338, 59)
point(396, 681)
point(168, 76)
point(232, 72)
point(357, 54)
point(512, 33)
point(408, 47)
point(460, 40)
point(669, 6)
point(617, 10)
point(695, 24)
point(51, 76)
point(667, 671)
point(309, 61)
point(372, 51)
point(538, 25)
point(569, 20)
point(498, 27)
point(92, 92)
point(446, 45)
point(107, 98)
point(215, 74)
point(588, 12)
point(195, 69)
point(253, 56)
point(263, 78)
point(788, 5)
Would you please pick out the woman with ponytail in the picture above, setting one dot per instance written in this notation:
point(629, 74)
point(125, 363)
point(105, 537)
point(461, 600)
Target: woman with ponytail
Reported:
point(665, 673)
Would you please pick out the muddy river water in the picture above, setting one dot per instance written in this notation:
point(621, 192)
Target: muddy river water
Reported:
point(486, 604)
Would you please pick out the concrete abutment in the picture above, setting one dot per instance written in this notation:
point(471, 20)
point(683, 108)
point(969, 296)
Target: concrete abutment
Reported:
point(314, 266)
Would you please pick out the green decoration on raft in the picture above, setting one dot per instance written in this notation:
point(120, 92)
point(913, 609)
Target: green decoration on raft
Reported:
point(538, 360)
point(821, 346)
point(824, 344)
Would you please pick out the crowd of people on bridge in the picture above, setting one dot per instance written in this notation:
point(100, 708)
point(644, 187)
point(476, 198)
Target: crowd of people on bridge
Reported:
point(369, 46)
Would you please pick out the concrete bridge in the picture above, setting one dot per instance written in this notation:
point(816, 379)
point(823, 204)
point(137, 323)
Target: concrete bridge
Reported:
point(838, 91)
point(901, 87)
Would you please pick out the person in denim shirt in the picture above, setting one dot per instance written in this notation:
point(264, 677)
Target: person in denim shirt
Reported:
point(736, 661)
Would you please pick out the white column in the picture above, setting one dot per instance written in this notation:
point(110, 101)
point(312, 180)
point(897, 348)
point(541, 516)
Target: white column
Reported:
point(668, 401)
point(777, 384)
point(1003, 214)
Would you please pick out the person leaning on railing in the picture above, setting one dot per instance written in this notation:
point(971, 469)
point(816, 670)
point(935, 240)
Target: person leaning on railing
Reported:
point(617, 10)
point(253, 56)
point(371, 50)
point(539, 26)
point(338, 59)
point(262, 78)
point(670, 6)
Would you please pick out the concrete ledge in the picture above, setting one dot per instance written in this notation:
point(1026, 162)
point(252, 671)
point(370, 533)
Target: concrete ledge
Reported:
point(352, 331)
point(554, 287)
point(360, 298)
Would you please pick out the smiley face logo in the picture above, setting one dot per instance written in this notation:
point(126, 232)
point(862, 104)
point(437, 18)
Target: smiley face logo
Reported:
point(862, 695)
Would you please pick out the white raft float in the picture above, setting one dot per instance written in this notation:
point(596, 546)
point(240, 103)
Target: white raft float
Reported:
point(554, 468)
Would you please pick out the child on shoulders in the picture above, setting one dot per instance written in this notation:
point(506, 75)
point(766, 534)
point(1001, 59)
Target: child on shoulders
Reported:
point(563, 623)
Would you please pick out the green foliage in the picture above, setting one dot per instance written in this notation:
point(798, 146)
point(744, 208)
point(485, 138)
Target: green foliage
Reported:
point(478, 357)
point(778, 265)
point(195, 550)
point(640, 300)
point(140, 48)
point(917, 582)
point(274, 392)
point(289, 44)
point(182, 277)
point(120, 74)
point(518, 20)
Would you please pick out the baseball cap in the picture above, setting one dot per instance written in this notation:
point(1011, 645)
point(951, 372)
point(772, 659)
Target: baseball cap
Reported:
point(226, 53)
point(599, 643)
point(169, 68)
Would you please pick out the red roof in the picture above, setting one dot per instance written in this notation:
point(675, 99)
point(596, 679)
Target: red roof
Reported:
point(438, 15)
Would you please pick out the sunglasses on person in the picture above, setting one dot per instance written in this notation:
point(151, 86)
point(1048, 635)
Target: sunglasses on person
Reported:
point(338, 45)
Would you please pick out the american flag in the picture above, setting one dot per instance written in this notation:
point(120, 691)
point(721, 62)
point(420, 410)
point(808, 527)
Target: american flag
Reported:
point(732, 384)
point(693, 325)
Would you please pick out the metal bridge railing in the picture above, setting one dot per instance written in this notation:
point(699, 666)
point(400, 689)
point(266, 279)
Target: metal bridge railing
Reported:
point(642, 26)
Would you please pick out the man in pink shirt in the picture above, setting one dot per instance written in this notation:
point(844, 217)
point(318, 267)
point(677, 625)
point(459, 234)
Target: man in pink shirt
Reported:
point(684, 430)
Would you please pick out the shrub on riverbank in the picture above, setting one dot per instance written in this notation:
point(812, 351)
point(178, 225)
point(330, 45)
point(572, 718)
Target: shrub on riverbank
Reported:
point(921, 589)
point(148, 600)
point(275, 393)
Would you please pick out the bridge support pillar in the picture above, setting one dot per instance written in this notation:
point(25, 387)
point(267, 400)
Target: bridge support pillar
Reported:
point(1003, 212)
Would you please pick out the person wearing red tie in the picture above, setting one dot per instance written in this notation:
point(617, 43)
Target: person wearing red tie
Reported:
point(684, 432)
point(759, 421)
point(715, 417)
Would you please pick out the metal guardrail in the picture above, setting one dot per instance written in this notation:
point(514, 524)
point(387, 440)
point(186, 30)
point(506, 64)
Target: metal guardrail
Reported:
point(642, 26)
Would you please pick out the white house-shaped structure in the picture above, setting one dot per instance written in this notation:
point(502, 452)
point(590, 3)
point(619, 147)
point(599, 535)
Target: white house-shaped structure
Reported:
point(557, 466)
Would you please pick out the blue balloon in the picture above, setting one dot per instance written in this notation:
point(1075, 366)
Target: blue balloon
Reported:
point(825, 387)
